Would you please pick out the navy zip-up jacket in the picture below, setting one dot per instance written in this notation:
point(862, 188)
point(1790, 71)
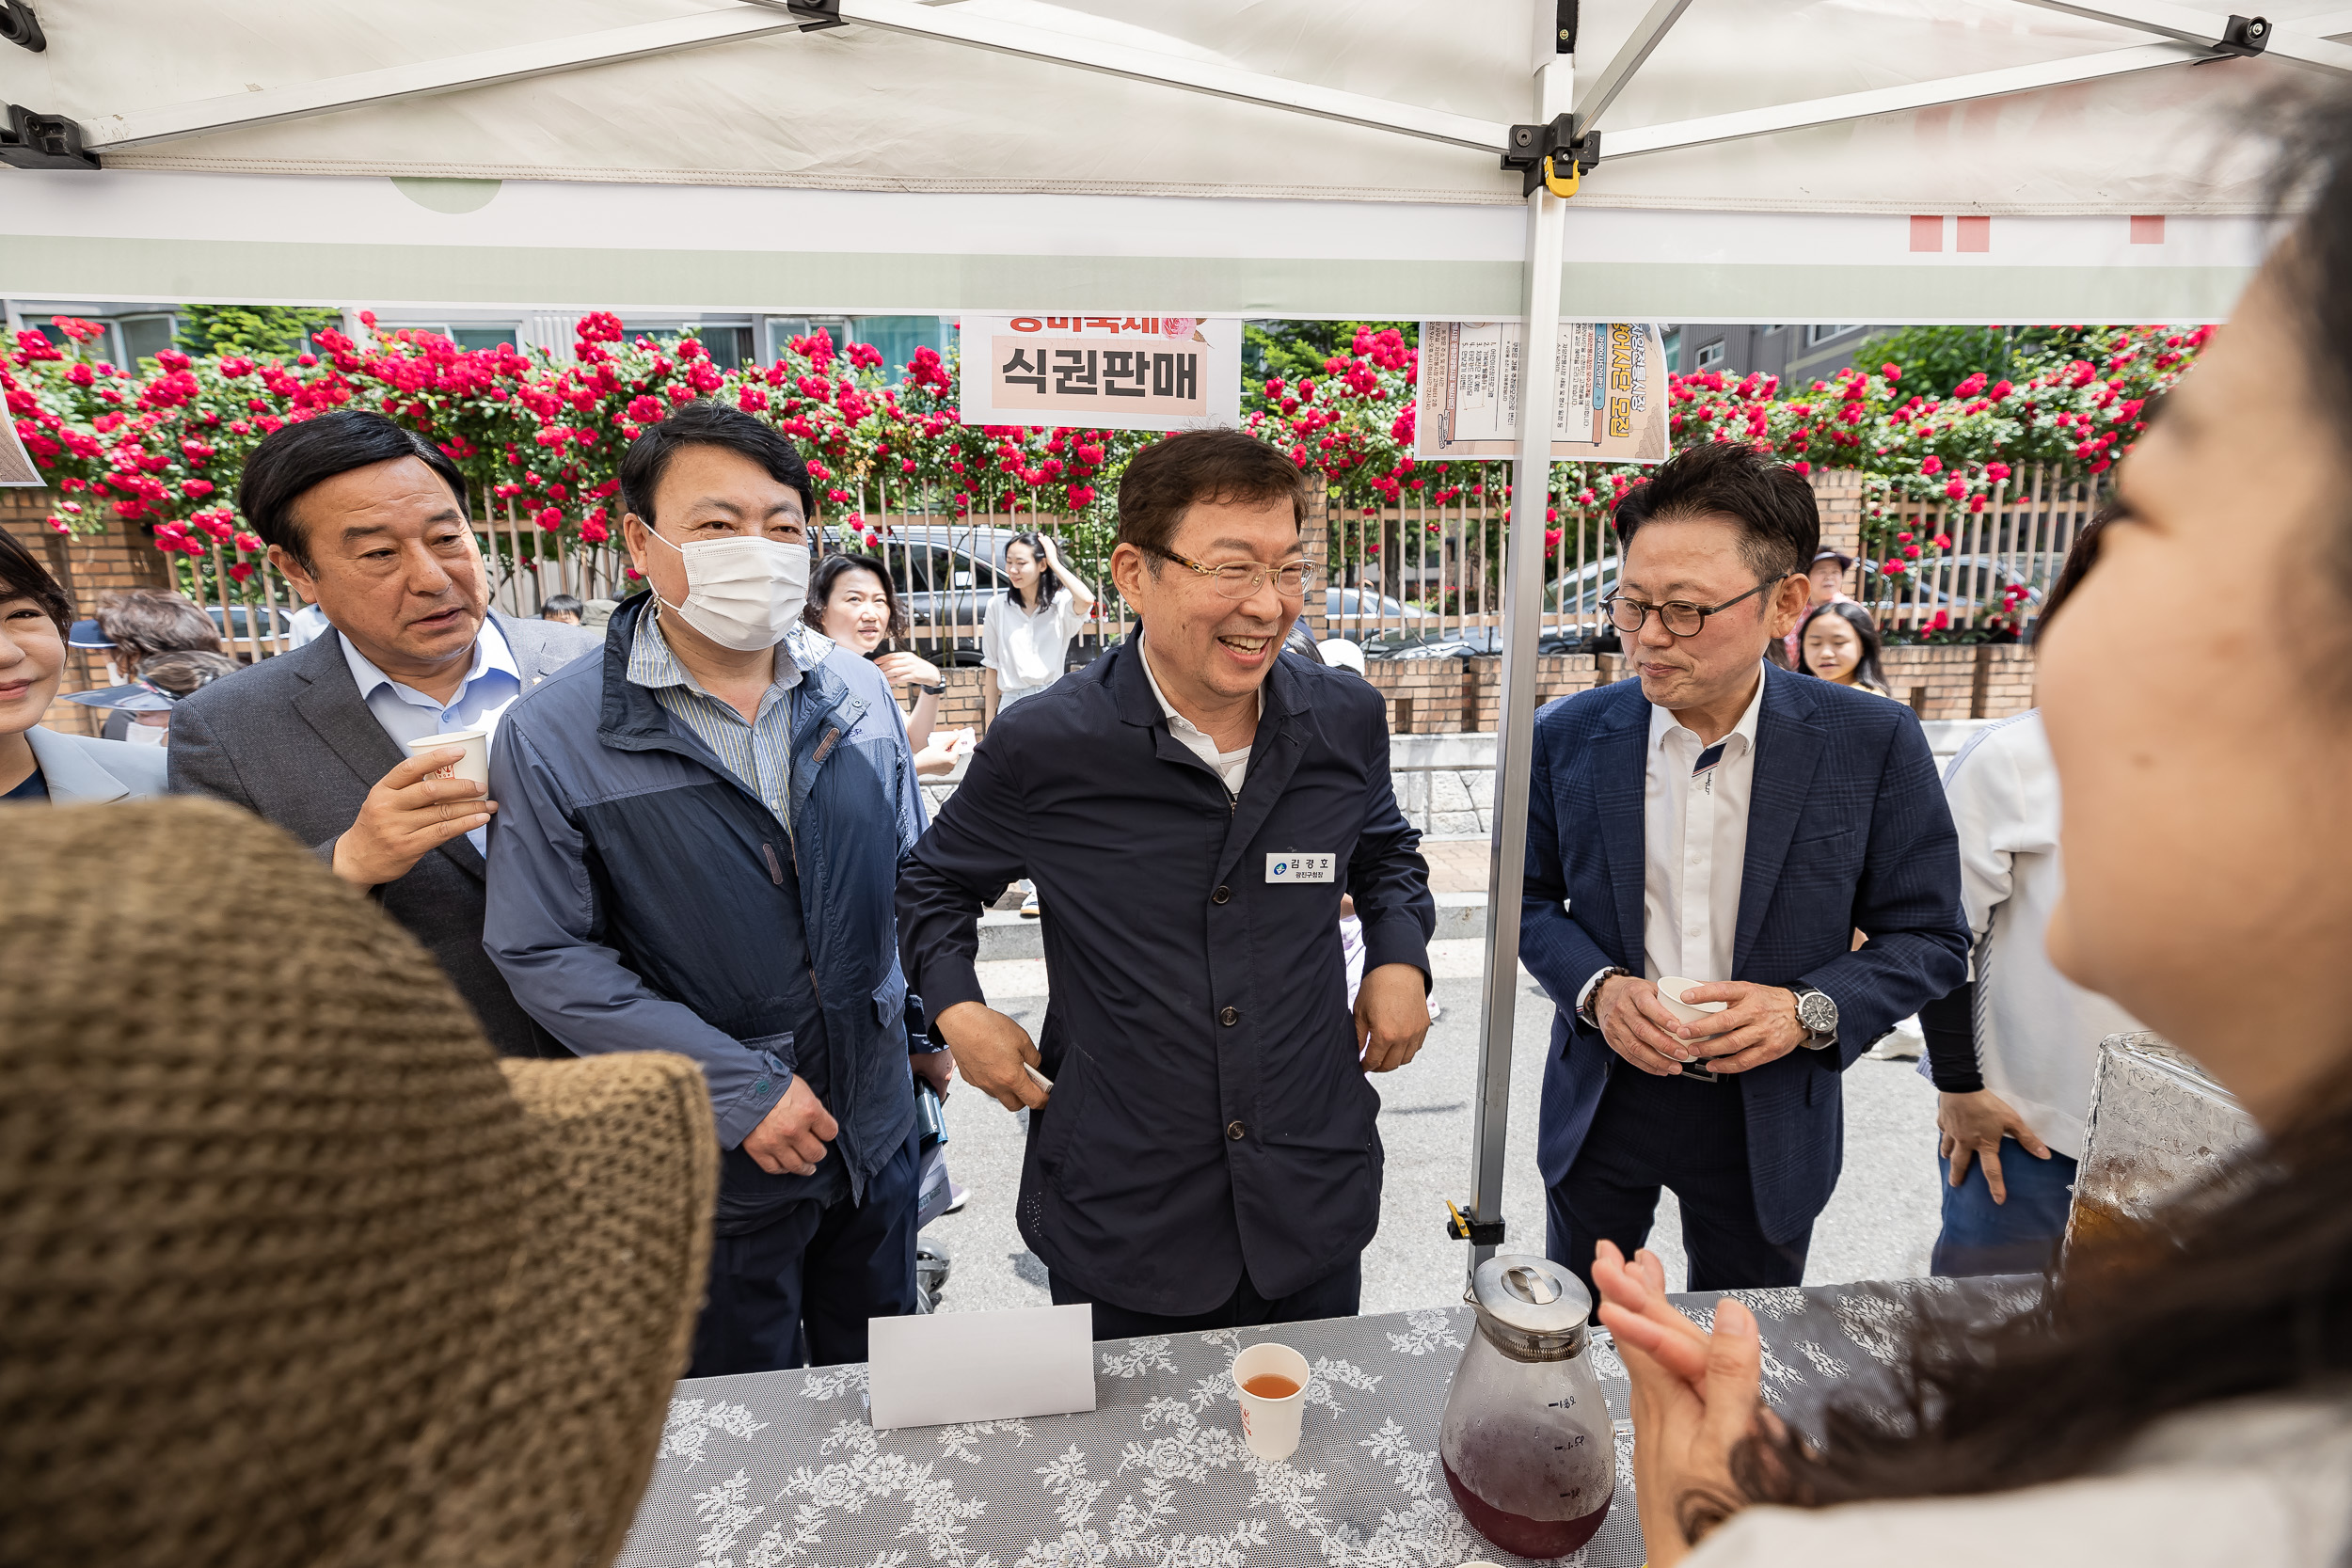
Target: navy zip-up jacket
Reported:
point(641, 898)
point(1209, 1111)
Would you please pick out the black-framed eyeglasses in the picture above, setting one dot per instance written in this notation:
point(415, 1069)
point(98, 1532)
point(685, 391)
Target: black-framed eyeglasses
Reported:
point(1680, 618)
point(1238, 580)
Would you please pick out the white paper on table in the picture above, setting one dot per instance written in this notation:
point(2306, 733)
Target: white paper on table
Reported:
point(939, 1368)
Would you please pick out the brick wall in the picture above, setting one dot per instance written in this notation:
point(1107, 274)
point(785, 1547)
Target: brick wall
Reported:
point(1983, 682)
point(87, 565)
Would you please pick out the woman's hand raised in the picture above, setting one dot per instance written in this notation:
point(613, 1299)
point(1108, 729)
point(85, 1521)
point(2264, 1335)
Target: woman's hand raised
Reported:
point(1696, 1394)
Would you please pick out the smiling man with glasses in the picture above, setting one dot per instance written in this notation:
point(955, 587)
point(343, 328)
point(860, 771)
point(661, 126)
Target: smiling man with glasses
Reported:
point(1723, 822)
point(1191, 806)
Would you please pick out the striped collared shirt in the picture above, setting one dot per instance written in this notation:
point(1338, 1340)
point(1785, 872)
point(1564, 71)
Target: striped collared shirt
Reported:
point(758, 751)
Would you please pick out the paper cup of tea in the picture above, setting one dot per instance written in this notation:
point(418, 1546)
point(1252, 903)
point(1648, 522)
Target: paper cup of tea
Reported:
point(474, 765)
point(1272, 1383)
point(1670, 990)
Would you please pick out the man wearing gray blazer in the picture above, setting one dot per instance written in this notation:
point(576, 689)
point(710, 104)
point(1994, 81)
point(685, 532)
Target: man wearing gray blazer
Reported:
point(368, 521)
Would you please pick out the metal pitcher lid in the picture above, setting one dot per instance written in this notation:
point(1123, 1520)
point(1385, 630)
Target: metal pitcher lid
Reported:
point(1532, 1297)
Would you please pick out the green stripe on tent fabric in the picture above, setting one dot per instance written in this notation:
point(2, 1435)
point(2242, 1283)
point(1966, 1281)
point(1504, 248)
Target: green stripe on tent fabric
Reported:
point(800, 282)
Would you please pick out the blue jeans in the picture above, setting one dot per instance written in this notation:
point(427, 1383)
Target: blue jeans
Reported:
point(2020, 1236)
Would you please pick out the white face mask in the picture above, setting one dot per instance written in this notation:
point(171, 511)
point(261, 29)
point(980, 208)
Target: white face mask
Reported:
point(148, 735)
point(742, 591)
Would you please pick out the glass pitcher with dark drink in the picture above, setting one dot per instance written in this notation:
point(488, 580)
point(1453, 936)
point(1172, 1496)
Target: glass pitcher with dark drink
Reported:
point(1526, 1446)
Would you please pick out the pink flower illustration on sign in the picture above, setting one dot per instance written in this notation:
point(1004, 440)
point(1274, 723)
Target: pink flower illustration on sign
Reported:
point(1182, 328)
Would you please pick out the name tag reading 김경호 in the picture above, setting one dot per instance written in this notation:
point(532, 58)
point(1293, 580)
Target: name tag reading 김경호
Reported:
point(1293, 866)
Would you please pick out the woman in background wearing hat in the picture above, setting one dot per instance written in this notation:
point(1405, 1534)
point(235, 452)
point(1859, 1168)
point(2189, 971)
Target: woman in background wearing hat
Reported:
point(38, 765)
point(132, 625)
point(1828, 572)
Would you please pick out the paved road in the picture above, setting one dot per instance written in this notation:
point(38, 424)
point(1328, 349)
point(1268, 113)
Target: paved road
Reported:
point(1880, 1224)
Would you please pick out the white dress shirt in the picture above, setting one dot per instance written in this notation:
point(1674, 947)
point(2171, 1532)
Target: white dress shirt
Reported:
point(1028, 650)
point(1694, 846)
point(492, 682)
point(2038, 1033)
point(1232, 767)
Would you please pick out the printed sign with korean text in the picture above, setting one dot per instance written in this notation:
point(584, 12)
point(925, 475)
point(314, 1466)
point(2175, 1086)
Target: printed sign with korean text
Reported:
point(1110, 373)
point(1609, 402)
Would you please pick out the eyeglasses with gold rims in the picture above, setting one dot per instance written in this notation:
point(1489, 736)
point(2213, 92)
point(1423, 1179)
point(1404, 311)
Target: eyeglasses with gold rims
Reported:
point(1238, 580)
point(1679, 617)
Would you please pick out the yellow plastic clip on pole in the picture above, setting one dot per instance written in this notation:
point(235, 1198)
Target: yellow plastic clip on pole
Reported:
point(1559, 187)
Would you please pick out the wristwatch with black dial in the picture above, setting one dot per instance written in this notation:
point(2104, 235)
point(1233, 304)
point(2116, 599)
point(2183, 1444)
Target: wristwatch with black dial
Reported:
point(1817, 1014)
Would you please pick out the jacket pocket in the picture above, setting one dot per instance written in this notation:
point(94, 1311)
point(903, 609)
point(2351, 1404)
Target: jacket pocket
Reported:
point(1063, 1105)
point(890, 998)
point(778, 1046)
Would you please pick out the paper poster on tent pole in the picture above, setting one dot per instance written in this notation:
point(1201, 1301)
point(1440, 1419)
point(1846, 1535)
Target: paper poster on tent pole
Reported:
point(1126, 371)
point(1609, 406)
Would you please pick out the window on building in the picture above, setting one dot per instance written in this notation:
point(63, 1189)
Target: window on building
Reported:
point(1673, 352)
point(898, 337)
point(483, 336)
point(1710, 355)
point(143, 336)
point(1820, 333)
point(783, 329)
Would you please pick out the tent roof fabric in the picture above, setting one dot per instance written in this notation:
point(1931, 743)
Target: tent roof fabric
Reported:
point(859, 108)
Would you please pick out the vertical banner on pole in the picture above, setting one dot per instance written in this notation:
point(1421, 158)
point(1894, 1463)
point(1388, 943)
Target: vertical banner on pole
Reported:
point(16, 464)
point(1608, 391)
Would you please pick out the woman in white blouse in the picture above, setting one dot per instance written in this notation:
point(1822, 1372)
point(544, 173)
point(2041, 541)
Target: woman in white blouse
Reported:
point(1024, 635)
point(2182, 1396)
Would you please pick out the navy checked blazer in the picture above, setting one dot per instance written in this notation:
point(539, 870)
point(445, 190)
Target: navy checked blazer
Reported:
point(1847, 830)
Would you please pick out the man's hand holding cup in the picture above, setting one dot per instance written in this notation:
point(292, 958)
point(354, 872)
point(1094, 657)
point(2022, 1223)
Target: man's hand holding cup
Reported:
point(407, 815)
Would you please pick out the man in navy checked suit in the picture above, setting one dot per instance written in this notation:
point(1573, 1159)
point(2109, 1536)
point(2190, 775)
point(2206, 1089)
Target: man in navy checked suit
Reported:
point(1723, 822)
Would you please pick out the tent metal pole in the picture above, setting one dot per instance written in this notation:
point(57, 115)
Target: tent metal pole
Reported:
point(1647, 34)
point(2292, 40)
point(1522, 627)
point(955, 24)
point(299, 100)
point(1667, 137)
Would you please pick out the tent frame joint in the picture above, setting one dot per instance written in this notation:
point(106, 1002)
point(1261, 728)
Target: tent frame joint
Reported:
point(1465, 1227)
point(20, 26)
point(1562, 142)
point(815, 15)
point(2244, 37)
point(29, 139)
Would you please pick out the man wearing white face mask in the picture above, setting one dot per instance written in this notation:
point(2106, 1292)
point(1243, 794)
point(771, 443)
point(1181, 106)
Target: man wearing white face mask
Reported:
point(696, 852)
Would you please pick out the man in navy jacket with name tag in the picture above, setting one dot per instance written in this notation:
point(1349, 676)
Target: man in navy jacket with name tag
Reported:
point(1722, 820)
point(1191, 807)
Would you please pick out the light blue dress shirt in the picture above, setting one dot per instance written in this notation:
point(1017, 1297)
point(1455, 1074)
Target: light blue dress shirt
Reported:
point(406, 714)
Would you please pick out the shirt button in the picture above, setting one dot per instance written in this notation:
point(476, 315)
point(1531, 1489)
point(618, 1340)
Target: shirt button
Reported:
point(1222, 896)
point(1229, 1018)
point(1235, 1130)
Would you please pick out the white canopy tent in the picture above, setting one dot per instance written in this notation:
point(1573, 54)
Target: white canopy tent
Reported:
point(1760, 160)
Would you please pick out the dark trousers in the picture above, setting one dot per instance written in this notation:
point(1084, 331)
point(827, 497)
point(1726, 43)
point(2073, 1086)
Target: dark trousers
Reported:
point(797, 1291)
point(2018, 1236)
point(1335, 1295)
point(1668, 1132)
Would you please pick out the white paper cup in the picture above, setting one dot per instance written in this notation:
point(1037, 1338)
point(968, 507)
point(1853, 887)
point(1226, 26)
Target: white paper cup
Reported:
point(1670, 990)
point(1270, 1427)
point(474, 765)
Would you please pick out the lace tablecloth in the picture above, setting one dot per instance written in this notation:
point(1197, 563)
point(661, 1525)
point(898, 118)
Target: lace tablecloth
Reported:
point(782, 1469)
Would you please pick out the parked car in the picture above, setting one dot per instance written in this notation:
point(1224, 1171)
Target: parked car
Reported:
point(946, 573)
point(1357, 606)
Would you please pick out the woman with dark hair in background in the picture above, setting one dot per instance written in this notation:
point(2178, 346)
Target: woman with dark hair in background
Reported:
point(2184, 1394)
point(852, 601)
point(1026, 632)
point(39, 765)
point(1838, 642)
